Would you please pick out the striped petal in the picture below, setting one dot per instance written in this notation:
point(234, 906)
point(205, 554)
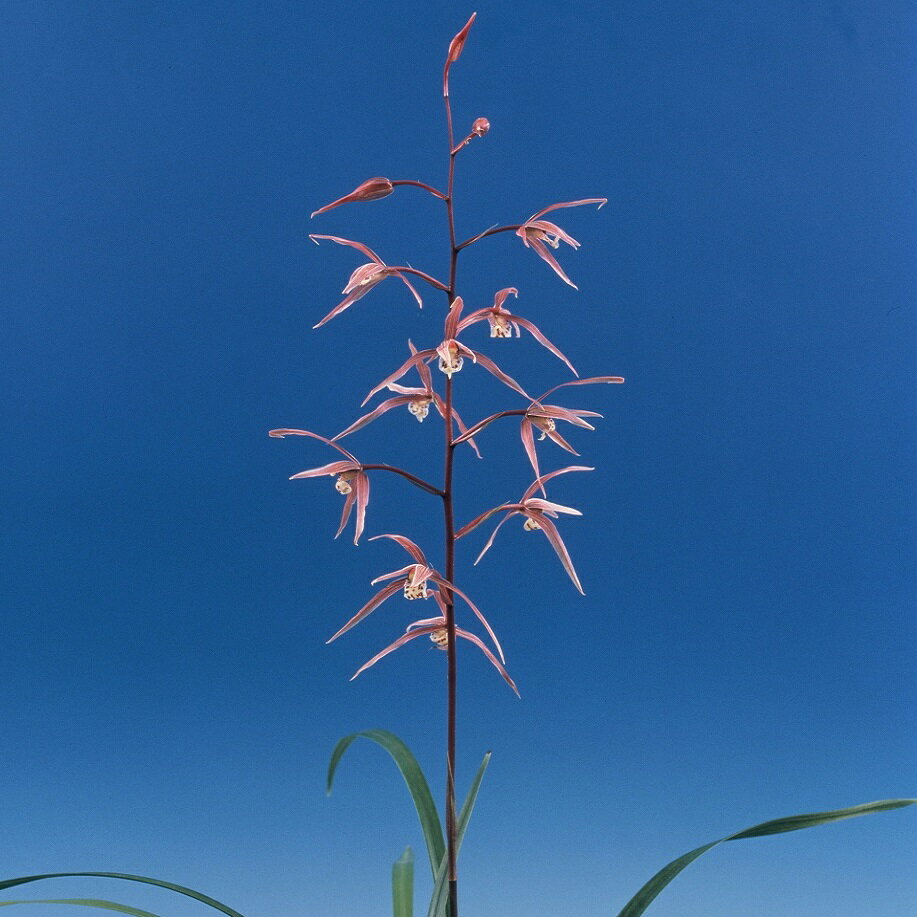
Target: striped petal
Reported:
point(385, 593)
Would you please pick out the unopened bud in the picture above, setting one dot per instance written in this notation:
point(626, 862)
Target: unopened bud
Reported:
point(480, 127)
point(371, 190)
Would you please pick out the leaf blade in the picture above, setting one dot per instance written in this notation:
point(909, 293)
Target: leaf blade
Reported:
point(647, 894)
point(403, 885)
point(414, 778)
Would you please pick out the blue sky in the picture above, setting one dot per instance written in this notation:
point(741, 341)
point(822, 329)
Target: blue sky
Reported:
point(745, 647)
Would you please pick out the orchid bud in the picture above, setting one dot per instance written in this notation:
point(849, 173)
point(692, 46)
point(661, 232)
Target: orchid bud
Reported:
point(371, 190)
point(480, 127)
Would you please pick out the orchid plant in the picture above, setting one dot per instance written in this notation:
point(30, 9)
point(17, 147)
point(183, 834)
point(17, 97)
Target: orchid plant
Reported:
point(419, 579)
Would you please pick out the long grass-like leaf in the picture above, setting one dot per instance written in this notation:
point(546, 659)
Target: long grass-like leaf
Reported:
point(403, 885)
point(87, 902)
point(145, 880)
point(440, 900)
point(642, 900)
point(413, 777)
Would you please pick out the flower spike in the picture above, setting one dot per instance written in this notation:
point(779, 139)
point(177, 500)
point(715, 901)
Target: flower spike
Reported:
point(537, 234)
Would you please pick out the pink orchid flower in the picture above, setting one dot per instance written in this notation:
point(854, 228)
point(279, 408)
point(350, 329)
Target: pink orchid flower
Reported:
point(543, 418)
point(371, 190)
point(538, 514)
point(352, 481)
point(364, 278)
point(451, 355)
point(537, 234)
point(412, 580)
point(503, 323)
point(417, 401)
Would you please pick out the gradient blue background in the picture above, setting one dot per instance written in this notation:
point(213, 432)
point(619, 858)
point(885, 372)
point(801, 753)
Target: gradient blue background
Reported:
point(745, 649)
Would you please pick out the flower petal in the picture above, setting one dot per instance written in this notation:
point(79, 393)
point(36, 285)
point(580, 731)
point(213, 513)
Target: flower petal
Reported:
point(406, 638)
point(361, 489)
point(543, 253)
point(444, 582)
point(285, 431)
point(533, 330)
point(528, 443)
point(452, 319)
point(601, 201)
point(382, 595)
point(357, 245)
point(414, 360)
point(372, 415)
point(408, 545)
point(331, 468)
point(493, 535)
point(493, 660)
point(553, 536)
point(547, 477)
point(495, 370)
point(470, 526)
point(592, 380)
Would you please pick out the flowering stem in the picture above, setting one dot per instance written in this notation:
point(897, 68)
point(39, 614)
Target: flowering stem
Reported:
point(418, 482)
point(430, 280)
point(449, 520)
point(487, 232)
point(420, 184)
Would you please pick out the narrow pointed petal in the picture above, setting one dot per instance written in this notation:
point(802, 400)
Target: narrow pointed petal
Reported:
point(455, 50)
point(361, 489)
point(452, 319)
point(493, 660)
point(403, 572)
point(542, 251)
point(463, 431)
point(406, 638)
point(413, 360)
point(481, 424)
point(552, 509)
point(570, 415)
point(359, 246)
point(473, 318)
point(474, 608)
point(601, 201)
point(470, 526)
point(437, 622)
point(493, 535)
point(382, 595)
point(370, 190)
point(495, 370)
point(555, 437)
point(528, 443)
point(592, 380)
point(290, 432)
point(553, 536)
point(502, 295)
point(426, 378)
point(410, 286)
point(332, 468)
point(408, 545)
point(345, 512)
point(372, 415)
point(533, 330)
point(552, 474)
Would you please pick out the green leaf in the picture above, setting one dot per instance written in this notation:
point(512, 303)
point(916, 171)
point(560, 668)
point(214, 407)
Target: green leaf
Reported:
point(440, 900)
point(403, 885)
point(413, 777)
point(190, 892)
point(87, 902)
point(642, 900)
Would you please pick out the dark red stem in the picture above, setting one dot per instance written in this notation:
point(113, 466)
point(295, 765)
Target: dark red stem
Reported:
point(488, 232)
point(430, 280)
point(420, 184)
point(449, 519)
point(419, 482)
